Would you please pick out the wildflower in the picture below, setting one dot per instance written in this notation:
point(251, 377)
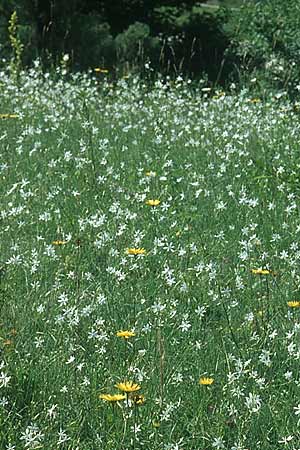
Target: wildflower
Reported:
point(218, 443)
point(125, 334)
point(285, 440)
point(136, 251)
point(155, 202)
point(204, 381)
point(58, 242)
point(99, 70)
point(261, 271)
point(253, 402)
point(150, 174)
point(112, 398)
point(255, 100)
point(297, 409)
point(294, 304)
point(128, 386)
point(9, 116)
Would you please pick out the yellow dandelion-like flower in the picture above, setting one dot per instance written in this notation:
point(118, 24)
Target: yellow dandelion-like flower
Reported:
point(112, 398)
point(58, 242)
point(261, 271)
point(150, 174)
point(9, 116)
point(128, 386)
point(125, 334)
point(99, 70)
point(155, 202)
point(136, 251)
point(294, 304)
point(204, 381)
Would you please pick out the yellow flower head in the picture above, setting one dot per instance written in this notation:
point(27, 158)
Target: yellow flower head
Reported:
point(112, 398)
point(294, 304)
point(99, 70)
point(125, 334)
point(155, 202)
point(261, 271)
point(128, 386)
point(150, 174)
point(9, 116)
point(136, 251)
point(58, 242)
point(204, 381)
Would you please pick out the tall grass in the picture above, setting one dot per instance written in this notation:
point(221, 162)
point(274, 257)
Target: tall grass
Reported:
point(214, 342)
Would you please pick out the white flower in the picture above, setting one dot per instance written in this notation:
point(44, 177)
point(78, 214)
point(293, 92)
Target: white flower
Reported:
point(285, 440)
point(4, 380)
point(62, 437)
point(253, 403)
point(32, 437)
point(52, 413)
point(297, 409)
point(218, 443)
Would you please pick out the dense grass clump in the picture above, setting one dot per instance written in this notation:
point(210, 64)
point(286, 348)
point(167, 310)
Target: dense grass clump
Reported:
point(149, 266)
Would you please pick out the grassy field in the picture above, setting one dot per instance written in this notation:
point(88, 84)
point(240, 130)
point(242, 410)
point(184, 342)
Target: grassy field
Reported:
point(149, 266)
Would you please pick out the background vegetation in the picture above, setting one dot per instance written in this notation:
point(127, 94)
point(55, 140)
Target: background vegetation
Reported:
point(211, 299)
point(227, 40)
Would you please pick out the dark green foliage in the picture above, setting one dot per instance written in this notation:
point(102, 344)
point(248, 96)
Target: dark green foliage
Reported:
point(229, 40)
point(265, 43)
point(174, 36)
point(90, 42)
point(194, 39)
point(135, 46)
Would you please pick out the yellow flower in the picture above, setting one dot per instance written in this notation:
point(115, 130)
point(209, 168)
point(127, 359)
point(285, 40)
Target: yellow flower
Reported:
point(112, 398)
point(125, 334)
point(219, 95)
point(58, 242)
point(99, 70)
point(128, 386)
point(155, 202)
point(294, 304)
point(261, 271)
point(255, 100)
point(9, 116)
point(136, 251)
point(150, 174)
point(204, 381)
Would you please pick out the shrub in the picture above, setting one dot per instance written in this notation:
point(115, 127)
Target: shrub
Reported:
point(135, 46)
point(194, 39)
point(265, 44)
point(91, 42)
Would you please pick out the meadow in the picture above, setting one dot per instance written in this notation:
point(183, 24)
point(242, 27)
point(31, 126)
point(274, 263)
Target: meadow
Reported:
point(149, 276)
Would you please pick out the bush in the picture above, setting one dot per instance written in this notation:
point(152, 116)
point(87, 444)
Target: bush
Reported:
point(265, 44)
point(135, 46)
point(194, 39)
point(91, 42)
